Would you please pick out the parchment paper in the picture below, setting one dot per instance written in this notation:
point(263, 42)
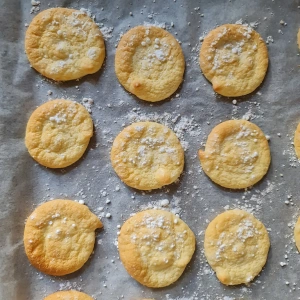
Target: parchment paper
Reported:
point(274, 106)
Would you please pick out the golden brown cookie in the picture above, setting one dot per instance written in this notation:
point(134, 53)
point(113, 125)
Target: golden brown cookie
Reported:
point(147, 155)
point(64, 44)
point(149, 63)
point(68, 295)
point(234, 58)
point(297, 234)
point(155, 246)
point(297, 141)
point(236, 246)
point(58, 133)
point(59, 236)
point(236, 155)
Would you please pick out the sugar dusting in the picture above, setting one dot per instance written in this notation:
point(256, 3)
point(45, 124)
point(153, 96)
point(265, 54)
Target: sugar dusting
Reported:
point(87, 103)
point(106, 31)
point(251, 200)
point(183, 127)
point(35, 6)
point(173, 206)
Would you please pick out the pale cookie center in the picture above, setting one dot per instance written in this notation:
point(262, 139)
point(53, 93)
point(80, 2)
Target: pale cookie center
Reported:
point(231, 58)
point(152, 150)
point(158, 242)
point(149, 59)
point(239, 149)
point(63, 40)
point(61, 137)
point(61, 237)
point(239, 242)
point(62, 130)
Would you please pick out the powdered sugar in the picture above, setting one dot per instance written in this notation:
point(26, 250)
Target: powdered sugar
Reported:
point(87, 12)
point(290, 153)
point(156, 24)
point(58, 118)
point(87, 103)
point(269, 39)
point(182, 126)
point(106, 31)
point(164, 204)
point(35, 6)
point(160, 55)
point(91, 53)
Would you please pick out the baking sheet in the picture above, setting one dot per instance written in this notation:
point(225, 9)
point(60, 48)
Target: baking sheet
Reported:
point(192, 112)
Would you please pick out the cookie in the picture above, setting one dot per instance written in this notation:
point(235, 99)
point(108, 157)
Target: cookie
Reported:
point(236, 155)
point(58, 133)
point(59, 236)
point(155, 246)
point(149, 63)
point(68, 295)
point(236, 246)
point(297, 141)
point(147, 155)
point(234, 58)
point(64, 44)
point(297, 234)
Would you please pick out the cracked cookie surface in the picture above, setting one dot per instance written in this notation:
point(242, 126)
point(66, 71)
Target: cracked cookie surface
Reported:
point(64, 44)
point(234, 58)
point(236, 246)
point(149, 63)
point(236, 155)
point(58, 133)
point(155, 246)
point(59, 236)
point(147, 155)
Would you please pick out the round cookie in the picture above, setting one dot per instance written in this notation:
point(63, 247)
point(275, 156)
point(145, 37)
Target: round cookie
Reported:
point(236, 155)
point(149, 63)
point(64, 44)
point(297, 234)
point(155, 246)
point(147, 155)
point(68, 295)
point(297, 141)
point(59, 236)
point(236, 246)
point(234, 58)
point(58, 133)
